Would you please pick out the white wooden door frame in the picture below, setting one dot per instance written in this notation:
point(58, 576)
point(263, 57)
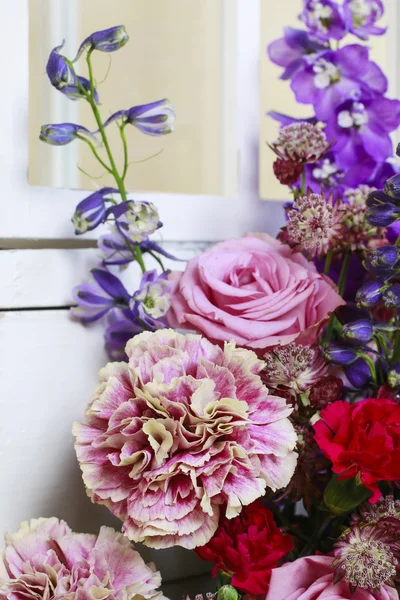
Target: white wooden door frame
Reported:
point(30, 212)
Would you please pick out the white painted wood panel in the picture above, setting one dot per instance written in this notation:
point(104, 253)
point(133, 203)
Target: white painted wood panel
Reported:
point(44, 278)
point(48, 368)
point(30, 212)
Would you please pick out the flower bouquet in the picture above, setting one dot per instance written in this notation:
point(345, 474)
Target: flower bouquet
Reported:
point(254, 412)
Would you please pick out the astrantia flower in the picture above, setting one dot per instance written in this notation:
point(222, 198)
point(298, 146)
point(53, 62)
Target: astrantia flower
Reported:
point(324, 19)
point(314, 225)
point(45, 560)
point(247, 548)
point(364, 558)
point(386, 508)
point(294, 366)
point(326, 390)
point(359, 233)
point(181, 431)
point(287, 172)
point(312, 578)
point(301, 143)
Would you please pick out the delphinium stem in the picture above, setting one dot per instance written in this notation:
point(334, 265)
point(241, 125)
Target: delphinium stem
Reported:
point(112, 168)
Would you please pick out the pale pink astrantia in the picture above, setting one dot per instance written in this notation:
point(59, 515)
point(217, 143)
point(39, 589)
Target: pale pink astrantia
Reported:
point(45, 560)
point(184, 429)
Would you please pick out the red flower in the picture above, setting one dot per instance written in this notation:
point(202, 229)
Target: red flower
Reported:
point(362, 439)
point(248, 547)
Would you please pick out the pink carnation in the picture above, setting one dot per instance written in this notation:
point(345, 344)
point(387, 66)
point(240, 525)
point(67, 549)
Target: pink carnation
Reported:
point(311, 578)
point(255, 291)
point(181, 430)
point(46, 560)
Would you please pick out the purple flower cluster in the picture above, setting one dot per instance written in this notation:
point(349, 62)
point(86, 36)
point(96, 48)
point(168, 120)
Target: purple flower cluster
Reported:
point(130, 223)
point(345, 88)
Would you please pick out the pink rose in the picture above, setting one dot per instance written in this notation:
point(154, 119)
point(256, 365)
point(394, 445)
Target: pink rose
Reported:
point(311, 578)
point(253, 290)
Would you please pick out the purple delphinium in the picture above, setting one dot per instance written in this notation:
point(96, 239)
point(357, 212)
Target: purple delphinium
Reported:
point(97, 297)
point(63, 77)
point(155, 118)
point(117, 250)
point(61, 134)
point(152, 300)
point(92, 211)
point(330, 77)
point(59, 72)
point(324, 19)
point(326, 175)
point(361, 17)
point(135, 220)
point(122, 327)
point(107, 40)
point(288, 51)
point(363, 122)
point(148, 308)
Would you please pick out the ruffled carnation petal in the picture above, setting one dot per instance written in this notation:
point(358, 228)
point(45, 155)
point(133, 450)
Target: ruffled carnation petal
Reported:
point(196, 430)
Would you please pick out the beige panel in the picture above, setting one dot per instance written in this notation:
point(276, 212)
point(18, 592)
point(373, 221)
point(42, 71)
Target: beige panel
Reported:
point(277, 95)
point(176, 50)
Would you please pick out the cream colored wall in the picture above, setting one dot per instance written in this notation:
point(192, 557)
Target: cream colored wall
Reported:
point(277, 95)
point(176, 50)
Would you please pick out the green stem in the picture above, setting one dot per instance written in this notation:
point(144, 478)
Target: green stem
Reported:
point(315, 539)
point(125, 146)
point(303, 183)
point(371, 366)
point(102, 132)
point(118, 178)
point(396, 350)
point(343, 273)
point(96, 154)
point(328, 261)
point(158, 259)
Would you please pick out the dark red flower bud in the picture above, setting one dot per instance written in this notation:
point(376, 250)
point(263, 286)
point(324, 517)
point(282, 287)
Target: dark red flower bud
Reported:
point(287, 172)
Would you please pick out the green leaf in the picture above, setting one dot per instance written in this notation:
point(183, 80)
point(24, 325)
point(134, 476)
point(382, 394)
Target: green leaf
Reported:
point(341, 497)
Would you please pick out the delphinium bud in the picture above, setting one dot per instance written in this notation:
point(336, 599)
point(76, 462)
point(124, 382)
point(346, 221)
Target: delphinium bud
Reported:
point(392, 187)
point(370, 294)
point(340, 354)
point(360, 331)
point(358, 373)
point(383, 260)
point(383, 210)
